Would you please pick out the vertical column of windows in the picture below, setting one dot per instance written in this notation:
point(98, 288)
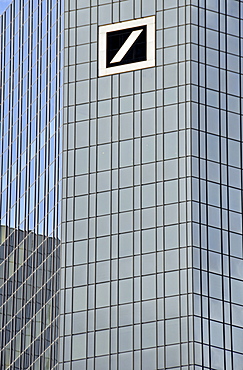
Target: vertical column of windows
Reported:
point(176, 188)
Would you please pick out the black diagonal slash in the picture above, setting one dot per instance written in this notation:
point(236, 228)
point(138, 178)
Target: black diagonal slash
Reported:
point(137, 51)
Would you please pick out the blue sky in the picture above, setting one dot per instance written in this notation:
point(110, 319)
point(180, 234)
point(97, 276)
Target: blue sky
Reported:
point(4, 4)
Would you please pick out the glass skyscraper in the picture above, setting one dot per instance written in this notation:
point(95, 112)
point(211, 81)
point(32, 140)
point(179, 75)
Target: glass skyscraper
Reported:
point(30, 168)
point(129, 111)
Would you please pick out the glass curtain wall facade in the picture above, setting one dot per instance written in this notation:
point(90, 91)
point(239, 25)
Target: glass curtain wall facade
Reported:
point(152, 201)
point(150, 163)
point(127, 293)
point(30, 166)
point(216, 130)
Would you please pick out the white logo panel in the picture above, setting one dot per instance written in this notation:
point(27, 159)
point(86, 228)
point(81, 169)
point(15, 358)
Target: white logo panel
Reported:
point(127, 46)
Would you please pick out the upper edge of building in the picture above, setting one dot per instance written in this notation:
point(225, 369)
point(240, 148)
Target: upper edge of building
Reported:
point(4, 4)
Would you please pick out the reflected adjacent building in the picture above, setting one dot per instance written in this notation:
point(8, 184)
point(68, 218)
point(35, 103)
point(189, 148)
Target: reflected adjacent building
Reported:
point(145, 136)
point(29, 296)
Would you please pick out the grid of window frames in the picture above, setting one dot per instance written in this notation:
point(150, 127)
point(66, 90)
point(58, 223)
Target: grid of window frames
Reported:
point(216, 51)
point(30, 173)
point(126, 286)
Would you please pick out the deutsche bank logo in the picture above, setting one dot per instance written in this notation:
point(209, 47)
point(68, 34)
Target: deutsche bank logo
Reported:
point(127, 46)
